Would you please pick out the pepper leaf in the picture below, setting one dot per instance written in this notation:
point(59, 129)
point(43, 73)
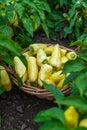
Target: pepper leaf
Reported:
point(76, 101)
point(56, 92)
point(53, 125)
point(73, 66)
point(52, 113)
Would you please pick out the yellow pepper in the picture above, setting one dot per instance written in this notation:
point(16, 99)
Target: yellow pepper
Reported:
point(20, 68)
point(5, 80)
point(33, 48)
point(50, 82)
point(83, 123)
point(41, 56)
point(64, 59)
point(56, 76)
point(63, 52)
point(32, 68)
point(60, 84)
point(48, 50)
point(71, 117)
point(24, 77)
point(35, 24)
point(44, 73)
point(55, 57)
point(71, 55)
point(27, 53)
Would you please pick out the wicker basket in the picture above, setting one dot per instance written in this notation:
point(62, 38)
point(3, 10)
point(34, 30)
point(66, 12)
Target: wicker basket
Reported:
point(40, 93)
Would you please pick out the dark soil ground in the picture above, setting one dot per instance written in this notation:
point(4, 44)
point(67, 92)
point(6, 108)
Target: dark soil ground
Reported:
point(18, 109)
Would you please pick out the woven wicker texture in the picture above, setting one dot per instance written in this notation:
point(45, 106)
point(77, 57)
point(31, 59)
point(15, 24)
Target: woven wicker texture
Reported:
point(40, 93)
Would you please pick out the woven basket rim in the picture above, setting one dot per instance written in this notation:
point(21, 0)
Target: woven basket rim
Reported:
point(39, 92)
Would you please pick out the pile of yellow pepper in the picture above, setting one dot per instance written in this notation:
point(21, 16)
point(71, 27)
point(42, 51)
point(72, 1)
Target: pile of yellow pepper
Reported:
point(45, 62)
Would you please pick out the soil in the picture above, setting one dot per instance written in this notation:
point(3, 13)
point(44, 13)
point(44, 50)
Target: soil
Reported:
point(17, 108)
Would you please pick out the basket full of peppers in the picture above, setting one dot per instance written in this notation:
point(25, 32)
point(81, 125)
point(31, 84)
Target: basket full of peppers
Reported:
point(45, 63)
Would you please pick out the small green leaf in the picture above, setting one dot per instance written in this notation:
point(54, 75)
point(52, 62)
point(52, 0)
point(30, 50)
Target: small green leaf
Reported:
point(19, 81)
point(19, 9)
point(76, 101)
point(10, 45)
point(70, 78)
point(56, 92)
point(52, 113)
point(73, 66)
point(45, 28)
point(8, 59)
point(23, 59)
point(53, 125)
point(2, 90)
point(80, 128)
point(81, 82)
point(46, 6)
point(83, 54)
point(28, 24)
point(75, 90)
point(42, 15)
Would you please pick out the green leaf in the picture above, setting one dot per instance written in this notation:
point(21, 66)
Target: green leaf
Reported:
point(19, 9)
point(83, 54)
point(68, 30)
point(42, 15)
point(53, 125)
point(10, 45)
point(5, 1)
point(75, 90)
point(73, 66)
point(8, 59)
point(23, 59)
point(19, 81)
point(30, 4)
point(81, 82)
point(46, 6)
point(28, 24)
point(2, 90)
point(76, 101)
point(56, 92)
point(80, 128)
point(62, 2)
point(52, 113)
point(6, 30)
point(45, 28)
point(70, 78)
